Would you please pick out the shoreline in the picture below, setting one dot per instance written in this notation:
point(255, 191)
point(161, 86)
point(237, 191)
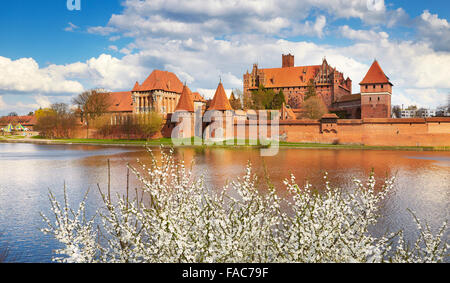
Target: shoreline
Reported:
point(158, 143)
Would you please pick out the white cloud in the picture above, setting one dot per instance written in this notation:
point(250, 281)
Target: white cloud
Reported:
point(113, 48)
point(208, 93)
point(363, 35)
point(24, 108)
point(25, 75)
point(42, 101)
point(71, 27)
point(183, 19)
point(202, 41)
point(435, 30)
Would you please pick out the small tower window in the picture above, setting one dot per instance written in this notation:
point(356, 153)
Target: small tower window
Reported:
point(382, 86)
point(370, 98)
point(378, 99)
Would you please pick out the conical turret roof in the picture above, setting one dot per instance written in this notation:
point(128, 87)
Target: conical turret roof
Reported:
point(375, 75)
point(186, 102)
point(220, 101)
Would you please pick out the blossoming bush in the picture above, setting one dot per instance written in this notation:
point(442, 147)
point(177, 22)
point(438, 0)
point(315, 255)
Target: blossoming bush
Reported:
point(179, 219)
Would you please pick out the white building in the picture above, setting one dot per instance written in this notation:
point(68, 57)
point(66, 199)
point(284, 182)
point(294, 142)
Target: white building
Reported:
point(408, 113)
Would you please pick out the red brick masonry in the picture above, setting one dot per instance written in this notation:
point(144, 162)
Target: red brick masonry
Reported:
point(372, 132)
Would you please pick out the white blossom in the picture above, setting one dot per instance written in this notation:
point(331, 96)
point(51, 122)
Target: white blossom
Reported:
point(179, 219)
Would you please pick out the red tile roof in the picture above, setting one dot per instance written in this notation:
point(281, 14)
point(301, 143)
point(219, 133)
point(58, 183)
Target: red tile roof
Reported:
point(290, 76)
point(162, 80)
point(136, 87)
point(121, 102)
point(198, 97)
point(186, 102)
point(330, 116)
point(220, 101)
point(23, 120)
point(375, 75)
point(352, 97)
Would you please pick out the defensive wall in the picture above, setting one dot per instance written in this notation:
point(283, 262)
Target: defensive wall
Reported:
point(371, 132)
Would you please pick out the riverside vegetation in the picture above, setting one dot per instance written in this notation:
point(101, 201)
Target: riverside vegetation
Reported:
point(180, 219)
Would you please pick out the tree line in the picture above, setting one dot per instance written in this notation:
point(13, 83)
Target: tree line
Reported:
point(61, 121)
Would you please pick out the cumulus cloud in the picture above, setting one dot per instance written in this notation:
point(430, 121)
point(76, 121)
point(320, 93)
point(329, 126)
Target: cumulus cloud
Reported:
point(363, 35)
point(184, 19)
point(42, 101)
point(435, 30)
point(25, 75)
point(203, 41)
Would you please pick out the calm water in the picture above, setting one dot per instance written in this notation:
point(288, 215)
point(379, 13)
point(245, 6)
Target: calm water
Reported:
point(28, 171)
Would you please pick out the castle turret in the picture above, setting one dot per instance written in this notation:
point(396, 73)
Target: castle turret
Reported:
point(183, 117)
point(376, 92)
point(186, 102)
point(220, 101)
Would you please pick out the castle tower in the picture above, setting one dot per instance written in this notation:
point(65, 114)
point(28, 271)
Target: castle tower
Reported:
point(183, 117)
point(376, 92)
point(288, 60)
point(219, 110)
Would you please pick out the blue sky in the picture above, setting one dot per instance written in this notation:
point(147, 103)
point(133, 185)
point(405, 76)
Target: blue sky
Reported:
point(49, 54)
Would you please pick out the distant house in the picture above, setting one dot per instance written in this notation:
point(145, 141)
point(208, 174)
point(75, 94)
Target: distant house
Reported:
point(28, 122)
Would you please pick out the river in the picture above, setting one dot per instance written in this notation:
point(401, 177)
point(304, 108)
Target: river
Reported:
point(29, 171)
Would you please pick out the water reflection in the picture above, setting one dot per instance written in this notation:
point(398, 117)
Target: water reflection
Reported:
point(28, 171)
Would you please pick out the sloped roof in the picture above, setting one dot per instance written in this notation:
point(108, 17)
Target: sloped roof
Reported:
point(162, 80)
point(121, 102)
point(136, 86)
point(198, 97)
point(375, 75)
point(330, 116)
point(186, 102)
point(352, 97)
point(220, 101)
point(24, 120)
point(290, 76)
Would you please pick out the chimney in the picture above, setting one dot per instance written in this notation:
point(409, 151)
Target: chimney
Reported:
point(288, 60)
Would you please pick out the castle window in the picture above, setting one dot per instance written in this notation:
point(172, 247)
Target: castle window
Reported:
point(382, 86)
point(370, 98)
point(367, 86)
point(378, 99)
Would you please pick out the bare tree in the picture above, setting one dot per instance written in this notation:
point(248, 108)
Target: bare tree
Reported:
point(314, 108)
point(58, 121)
point(92, 104)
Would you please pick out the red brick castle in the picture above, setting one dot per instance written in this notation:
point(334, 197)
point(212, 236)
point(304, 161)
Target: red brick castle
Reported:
point(374, 100)
point(330, 84)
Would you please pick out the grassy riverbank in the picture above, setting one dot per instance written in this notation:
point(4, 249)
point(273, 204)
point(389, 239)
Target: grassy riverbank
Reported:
point(226, 144)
